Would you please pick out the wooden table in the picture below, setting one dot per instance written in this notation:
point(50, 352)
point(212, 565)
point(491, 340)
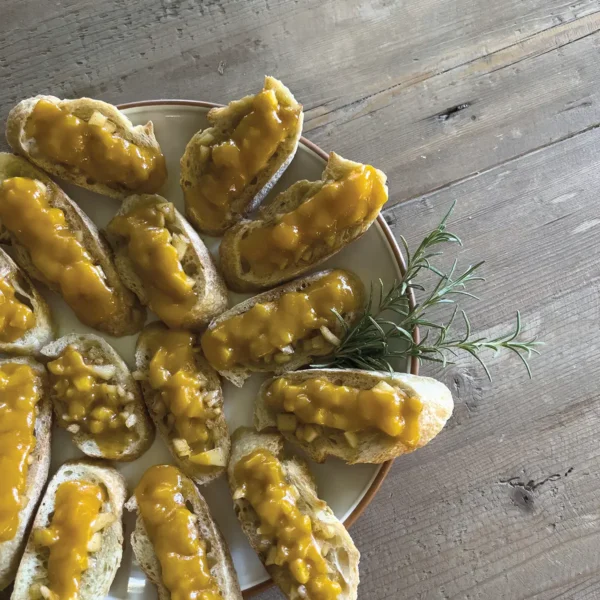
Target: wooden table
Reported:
point(494, 104)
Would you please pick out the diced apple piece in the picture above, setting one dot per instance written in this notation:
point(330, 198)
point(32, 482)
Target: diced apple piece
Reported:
point(287, 422)
point(211, 458)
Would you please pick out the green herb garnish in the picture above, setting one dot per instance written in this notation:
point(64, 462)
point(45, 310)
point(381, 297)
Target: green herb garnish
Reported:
point(385, 330)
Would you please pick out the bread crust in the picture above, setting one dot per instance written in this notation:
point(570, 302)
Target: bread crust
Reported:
point(343, 556)
point(238, 375)
point(131, 315)
point(97, 579)
point(37, 474)
point(373, 446)
point(222, 121)
point(140, 135)
point(143, 356)
point(222, 568)
point(231, 263)
point(97, 351)
point(197, 262)
point(44, 330)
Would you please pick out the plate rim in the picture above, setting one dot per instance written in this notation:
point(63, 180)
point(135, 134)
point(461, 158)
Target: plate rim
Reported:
point(397, 252)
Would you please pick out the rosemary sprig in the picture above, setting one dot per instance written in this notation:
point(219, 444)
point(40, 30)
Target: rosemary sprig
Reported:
point(385, 331)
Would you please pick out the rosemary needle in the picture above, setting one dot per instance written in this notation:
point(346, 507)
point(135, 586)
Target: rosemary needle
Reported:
point(385, 330)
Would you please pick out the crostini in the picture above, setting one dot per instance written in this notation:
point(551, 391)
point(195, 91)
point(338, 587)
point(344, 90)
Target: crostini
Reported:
point(358, 416)
point(25, 427)
point(57, 244)
point(25, 319)
point(303, 226)
point(304, 547)
point(96, 399)
point(285, 328)
point(164, 262)
point(176, 541)
point(229, 168)
point(184, 397)
point(89, 143)
point(76, 544)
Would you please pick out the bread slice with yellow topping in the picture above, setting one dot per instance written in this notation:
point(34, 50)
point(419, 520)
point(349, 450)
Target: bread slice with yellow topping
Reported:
point(176, 541)
point(165, 263)
point(76, 543)
point(357, 416)
point(184, 397)
point(96, 399)
point(65, 252)
point(302, 544)
point(303, 226)
point(26, 319)
point(14, 528)
point(285, 328)
point(89, 143)
point(228, 168)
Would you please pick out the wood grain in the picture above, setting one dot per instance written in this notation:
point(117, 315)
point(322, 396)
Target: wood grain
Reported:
point(504, 503)
point(431, 92)
point(492, 104)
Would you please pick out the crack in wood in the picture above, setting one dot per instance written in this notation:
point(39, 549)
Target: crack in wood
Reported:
point(584, 104)
point(522, 492)
point(532, 485)
point(451, 112)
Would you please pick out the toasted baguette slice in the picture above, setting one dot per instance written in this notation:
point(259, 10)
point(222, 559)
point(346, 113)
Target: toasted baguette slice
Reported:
point(219, 558)
point(103, 564)
point(43, 330)
point(242, 280)
point(197, 263)
point(342, 556)
point(223, 121)
point(218, 425)
point(131, 315)
point(371, 446)
point(83, 108)
point(11, 550)
point(238, 375)
point(96, 351)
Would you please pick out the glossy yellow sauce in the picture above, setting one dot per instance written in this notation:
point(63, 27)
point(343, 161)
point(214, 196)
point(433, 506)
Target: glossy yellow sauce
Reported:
point(97, 152)
point(20, 391)
point(253, 337)
point(320, 402)
point(235, 162)
point(90, 403)
point(174, 373)
point(55, 250)
point(77, 505)
point(16, 318)
point(323, 218)
point(174, 534)
point(284, 525)
point(156, 262)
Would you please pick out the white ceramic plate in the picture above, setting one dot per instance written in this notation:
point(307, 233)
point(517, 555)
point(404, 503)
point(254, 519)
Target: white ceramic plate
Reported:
point(347, 489)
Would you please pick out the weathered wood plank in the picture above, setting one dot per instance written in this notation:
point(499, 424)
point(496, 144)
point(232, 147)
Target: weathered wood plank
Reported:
point(382, 81)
